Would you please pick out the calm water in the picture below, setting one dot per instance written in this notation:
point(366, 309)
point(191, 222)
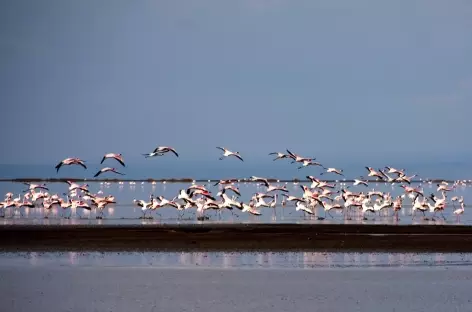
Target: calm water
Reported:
point(236, 282)
point(234, 260)
point(125, 212)
point(229, 282)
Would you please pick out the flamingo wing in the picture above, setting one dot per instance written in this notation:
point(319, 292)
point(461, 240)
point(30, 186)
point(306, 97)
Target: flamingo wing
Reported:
point(237, 156)
point(120, 160)
point(97, 174)
point(174, 151)
point(58, 166)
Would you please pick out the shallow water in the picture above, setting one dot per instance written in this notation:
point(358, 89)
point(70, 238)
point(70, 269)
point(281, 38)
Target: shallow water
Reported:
point(235, 282)
point(125, 212)
point(234, 260)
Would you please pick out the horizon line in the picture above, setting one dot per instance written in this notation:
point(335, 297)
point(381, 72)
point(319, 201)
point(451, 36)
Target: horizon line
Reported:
point(233, 180)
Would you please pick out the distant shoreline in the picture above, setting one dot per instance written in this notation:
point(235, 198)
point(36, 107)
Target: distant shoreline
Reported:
point(237, 237)
point(190, 180)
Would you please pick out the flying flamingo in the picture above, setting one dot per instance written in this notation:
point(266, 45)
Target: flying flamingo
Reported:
point(70, 161)
point(107, 169)
point(165, 149)
point(333, 170)
point(280, 155)
point(118, 157)
point(227, 153)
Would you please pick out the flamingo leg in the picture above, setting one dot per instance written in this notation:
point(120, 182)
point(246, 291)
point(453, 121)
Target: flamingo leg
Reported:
point(442, 215)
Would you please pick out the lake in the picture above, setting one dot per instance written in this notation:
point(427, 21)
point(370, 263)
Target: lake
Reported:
point(305, 281)
point(126, 212)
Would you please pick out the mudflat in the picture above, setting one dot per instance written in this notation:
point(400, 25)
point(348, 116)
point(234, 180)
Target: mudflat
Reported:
point(237, 237)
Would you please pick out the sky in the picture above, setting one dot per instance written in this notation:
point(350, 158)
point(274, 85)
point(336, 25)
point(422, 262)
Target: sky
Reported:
point(343, 81)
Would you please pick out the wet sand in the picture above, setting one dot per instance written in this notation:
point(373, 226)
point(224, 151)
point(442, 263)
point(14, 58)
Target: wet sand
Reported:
point(237, 237)
point(168, 289)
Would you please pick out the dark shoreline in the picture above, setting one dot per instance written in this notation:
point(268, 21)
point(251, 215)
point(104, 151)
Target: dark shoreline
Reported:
point(237, 237)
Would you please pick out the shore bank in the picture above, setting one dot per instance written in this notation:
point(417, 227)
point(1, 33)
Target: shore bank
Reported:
point(237, 237)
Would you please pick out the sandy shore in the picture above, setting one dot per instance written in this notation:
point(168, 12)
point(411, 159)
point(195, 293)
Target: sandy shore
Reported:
point(228, 237)
point(160, 289)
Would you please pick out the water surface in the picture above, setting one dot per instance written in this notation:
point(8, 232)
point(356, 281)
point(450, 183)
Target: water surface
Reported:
point(234, 260)
point(235, 282)
point(125, 212)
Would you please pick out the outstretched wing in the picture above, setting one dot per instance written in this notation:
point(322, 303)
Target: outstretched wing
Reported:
point(120, 160)
point(59, 165)
point(237, 156)
point(174, 151)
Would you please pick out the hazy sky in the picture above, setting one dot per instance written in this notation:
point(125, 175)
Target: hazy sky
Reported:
point(333, 79)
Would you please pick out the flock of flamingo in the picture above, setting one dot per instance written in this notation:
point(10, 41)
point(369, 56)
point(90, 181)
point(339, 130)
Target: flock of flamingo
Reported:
point(319, 195)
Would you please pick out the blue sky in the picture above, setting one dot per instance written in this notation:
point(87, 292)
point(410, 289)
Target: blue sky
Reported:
point(345, 81)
